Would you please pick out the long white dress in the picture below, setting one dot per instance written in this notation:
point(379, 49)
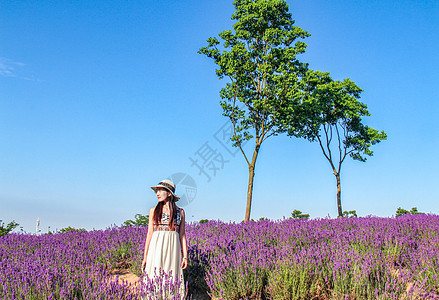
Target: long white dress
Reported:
point(163, 262)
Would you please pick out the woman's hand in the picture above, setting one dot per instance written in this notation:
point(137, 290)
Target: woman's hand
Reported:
point(184, 263)
point(143, 264)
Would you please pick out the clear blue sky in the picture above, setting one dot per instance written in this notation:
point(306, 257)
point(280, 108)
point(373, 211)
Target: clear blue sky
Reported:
point(101, 99)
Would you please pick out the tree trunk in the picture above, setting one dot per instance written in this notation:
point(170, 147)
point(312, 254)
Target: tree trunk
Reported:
point(251, 175)
point(340, 211)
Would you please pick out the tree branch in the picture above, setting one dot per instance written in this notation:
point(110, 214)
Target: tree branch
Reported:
point(324, 153)
point(339, 147)
point(330, 138)
point(267, 136)
point(345, 134)
point(264, 136)
point(328, 142)
point(234, 126)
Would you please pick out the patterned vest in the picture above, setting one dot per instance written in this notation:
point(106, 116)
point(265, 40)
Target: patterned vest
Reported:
point(164, 222)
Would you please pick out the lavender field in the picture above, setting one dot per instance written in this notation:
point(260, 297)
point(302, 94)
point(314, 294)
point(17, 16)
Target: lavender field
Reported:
point(349, 258)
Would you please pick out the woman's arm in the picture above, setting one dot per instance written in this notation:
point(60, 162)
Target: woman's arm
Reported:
point(183, 241)
point(148, 236)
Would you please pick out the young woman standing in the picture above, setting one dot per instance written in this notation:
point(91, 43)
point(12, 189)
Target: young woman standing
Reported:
point(166, 245)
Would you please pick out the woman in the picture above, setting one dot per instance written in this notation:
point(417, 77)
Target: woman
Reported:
point(166, 245)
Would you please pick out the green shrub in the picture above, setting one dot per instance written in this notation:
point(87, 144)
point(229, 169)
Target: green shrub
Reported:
point(297, 214)
point(139, 220)
point(242, 282)
point(5, 230)
point(290, 281)
point(400, 211)
point(350, 214)
point(119, 257)
point(67, 229)
point(195, 274)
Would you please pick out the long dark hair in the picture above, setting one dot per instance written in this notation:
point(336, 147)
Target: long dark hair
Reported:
point(172, 213)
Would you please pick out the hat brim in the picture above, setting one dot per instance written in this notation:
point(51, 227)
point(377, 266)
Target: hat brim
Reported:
point(154, 188)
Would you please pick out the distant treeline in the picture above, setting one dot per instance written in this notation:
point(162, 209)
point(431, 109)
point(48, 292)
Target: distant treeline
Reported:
point(142, 220)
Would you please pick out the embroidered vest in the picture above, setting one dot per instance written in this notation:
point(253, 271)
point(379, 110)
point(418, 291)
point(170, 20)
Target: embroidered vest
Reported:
point(164, 222)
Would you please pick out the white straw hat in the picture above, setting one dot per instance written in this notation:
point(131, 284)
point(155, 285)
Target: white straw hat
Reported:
point(166, 184)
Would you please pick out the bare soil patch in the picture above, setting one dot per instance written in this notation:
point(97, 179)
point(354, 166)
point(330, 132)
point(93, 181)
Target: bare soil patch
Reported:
point(125, 276)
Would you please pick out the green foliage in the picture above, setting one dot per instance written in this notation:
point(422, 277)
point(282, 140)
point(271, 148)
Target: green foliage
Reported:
point(4, 230)
point(121, 256)
point(335, 111)
point(139, 220)
point(291, 281)
point(69, 228)
point(306, 281)
point(241, 282)
point(414, 211)
point(260, 59)
point(195, 274)
point(350, 214)
point(203, 221)
point(297, 214)
point(400, 211)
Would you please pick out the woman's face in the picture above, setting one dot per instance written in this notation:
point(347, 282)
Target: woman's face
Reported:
point(162, 194)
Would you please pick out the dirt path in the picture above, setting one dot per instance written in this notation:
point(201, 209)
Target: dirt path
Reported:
point(124, 275)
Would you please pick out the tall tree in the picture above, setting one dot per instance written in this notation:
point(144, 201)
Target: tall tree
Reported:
point(334, 118)
point(259, 57)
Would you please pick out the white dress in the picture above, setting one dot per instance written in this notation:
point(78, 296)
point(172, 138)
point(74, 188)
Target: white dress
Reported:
point(163, 262)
